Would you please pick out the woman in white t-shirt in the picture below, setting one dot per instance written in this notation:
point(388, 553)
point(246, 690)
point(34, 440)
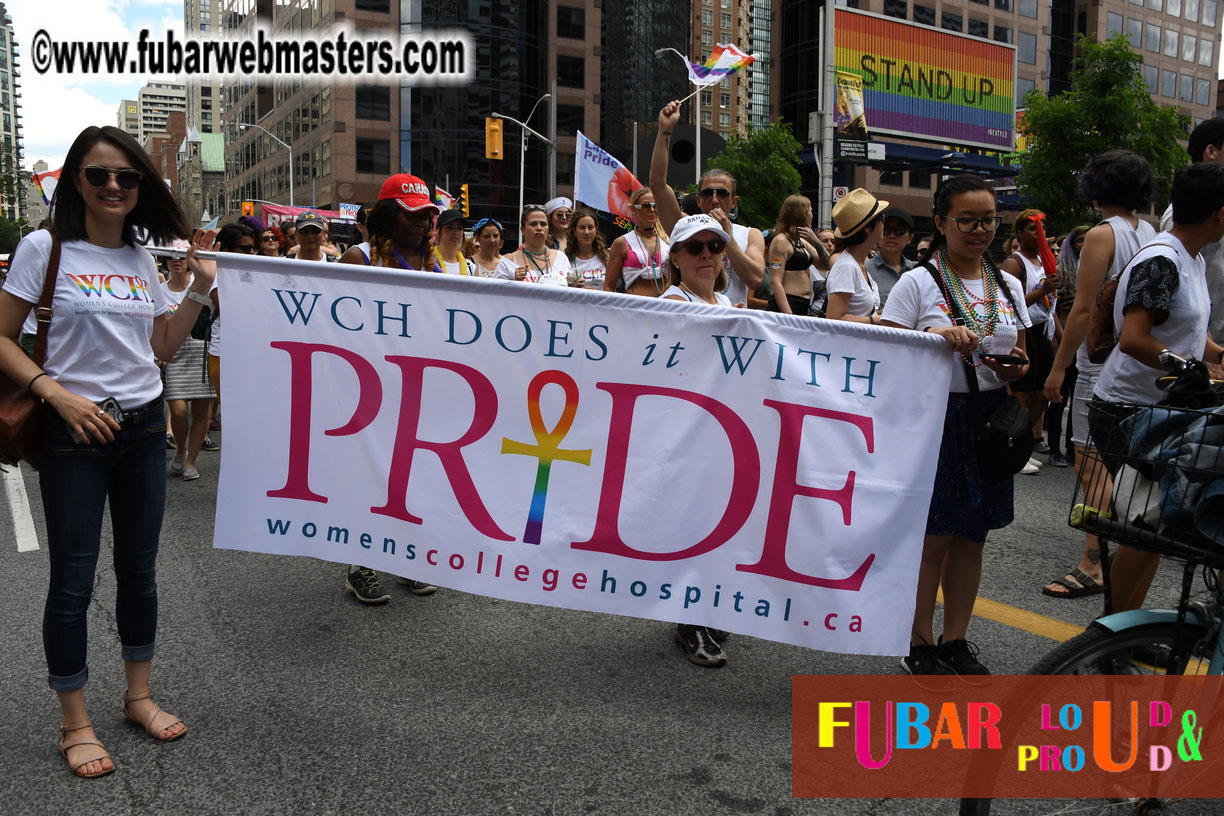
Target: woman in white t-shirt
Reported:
point(696, 274)
point(534, 262)
point(104, 427)
point(965, 504)
point(188, 390)
point(586, 250)
point(850, 293)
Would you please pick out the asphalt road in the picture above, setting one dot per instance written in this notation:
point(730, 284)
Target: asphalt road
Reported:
point(298, 699)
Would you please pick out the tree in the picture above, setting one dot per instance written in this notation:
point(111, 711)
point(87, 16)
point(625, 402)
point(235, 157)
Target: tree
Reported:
point(1107, 107)
point(765, 169)
point(10, 234)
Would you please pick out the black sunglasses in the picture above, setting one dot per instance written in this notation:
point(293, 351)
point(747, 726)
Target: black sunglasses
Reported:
point(896, 230)
point(127, 178)
point(715, 245)
point(712, 192)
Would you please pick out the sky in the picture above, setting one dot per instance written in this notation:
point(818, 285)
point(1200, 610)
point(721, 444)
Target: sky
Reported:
point(55, 108)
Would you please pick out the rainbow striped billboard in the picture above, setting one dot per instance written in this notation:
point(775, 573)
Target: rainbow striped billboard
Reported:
point(926, 83)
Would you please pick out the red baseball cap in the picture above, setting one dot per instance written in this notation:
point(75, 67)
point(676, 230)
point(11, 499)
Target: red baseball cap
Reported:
point(409, 191)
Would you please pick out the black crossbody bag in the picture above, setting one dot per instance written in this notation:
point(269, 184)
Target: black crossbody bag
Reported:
point(1005, 438)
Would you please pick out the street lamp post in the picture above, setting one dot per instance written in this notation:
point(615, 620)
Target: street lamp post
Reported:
point(523, 149)
point(285, 145)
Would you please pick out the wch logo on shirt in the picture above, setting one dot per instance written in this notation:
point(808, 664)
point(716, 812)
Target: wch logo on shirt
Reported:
point(114, 287)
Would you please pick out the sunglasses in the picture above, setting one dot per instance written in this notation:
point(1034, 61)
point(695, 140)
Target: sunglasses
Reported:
point(308, 228)
point(715, 245)
point(267, 238)
point(484, 222)
point(127, 178)
point(562, 214)
point(246, 248)
point(898, 231)
point(649, 205)
point(715, 192)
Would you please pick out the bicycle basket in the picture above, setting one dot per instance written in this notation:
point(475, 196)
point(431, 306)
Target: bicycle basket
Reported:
point(1156, 480)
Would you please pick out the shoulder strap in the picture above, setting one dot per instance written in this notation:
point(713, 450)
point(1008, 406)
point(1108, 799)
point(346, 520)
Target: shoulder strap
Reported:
point(970, 372)
point(43, 313)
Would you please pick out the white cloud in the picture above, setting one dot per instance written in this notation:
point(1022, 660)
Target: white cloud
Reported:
point(55, 108)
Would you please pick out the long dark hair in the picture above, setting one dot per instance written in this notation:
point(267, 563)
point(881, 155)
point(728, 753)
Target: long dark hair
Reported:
point(380, 223)
point(571, 241)
point(157, 211)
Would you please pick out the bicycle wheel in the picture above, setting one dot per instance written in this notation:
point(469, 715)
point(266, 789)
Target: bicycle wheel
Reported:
point(1145, 649)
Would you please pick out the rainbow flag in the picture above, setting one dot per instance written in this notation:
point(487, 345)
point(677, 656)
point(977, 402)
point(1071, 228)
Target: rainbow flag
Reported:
point(45, 182)
point(445, 200)
point(724, 61)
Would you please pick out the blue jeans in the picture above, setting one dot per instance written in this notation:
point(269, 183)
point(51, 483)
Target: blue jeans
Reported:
point(76, 481)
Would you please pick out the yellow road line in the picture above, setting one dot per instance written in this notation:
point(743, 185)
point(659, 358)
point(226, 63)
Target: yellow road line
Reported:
point(1017, 618)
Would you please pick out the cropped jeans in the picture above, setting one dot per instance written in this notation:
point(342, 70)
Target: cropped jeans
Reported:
point(76, 481)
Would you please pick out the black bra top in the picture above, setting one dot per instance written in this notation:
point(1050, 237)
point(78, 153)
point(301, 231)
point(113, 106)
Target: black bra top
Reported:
point(799, 259)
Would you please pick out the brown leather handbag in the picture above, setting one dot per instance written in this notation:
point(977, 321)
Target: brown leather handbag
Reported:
point(20, 410)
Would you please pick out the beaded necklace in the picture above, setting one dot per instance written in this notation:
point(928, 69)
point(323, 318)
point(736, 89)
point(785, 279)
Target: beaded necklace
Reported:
point(531, 258)
point(955, 289)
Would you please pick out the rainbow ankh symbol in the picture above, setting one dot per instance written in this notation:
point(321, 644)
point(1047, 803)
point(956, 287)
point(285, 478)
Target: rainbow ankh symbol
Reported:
point(548, 444)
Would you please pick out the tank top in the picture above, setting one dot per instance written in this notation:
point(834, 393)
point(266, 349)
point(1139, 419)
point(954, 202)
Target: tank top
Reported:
point(1042, 310)
point(722, 299)
point(641, 264)
point(1127, 241)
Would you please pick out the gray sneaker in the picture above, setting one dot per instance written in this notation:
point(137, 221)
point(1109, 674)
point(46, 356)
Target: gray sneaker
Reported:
point(417, 587)
point(364, 583)
point(176, 465)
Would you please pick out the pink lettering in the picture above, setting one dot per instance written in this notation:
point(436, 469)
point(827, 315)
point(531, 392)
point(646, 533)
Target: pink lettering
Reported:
point(745, 469)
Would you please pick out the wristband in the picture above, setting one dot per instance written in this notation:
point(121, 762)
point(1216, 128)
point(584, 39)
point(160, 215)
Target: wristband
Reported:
point(203, 300)
point(33, 379)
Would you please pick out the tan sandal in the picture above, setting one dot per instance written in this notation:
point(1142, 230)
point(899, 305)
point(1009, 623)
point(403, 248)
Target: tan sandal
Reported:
point(150, 726)
point(65, 746)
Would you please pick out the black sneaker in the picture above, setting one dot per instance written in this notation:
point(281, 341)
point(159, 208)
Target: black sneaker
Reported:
point(364, 583)
point(417, 587)
point(960, 656)
point(209, 445)
point(700, 646)
point(924, 659)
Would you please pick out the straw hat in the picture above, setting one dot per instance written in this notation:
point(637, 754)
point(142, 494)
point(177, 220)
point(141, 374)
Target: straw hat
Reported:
point(855, 211)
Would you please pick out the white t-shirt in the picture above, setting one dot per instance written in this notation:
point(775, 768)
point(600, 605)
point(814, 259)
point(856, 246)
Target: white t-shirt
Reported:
point(592, 271)
point(846, 277)
point(174, 299)
point(1185, 303)
point(554, 273)
point(214, 333)
point(1041, 310)
point(672, 291)
point(99, 342)
point(916, 303)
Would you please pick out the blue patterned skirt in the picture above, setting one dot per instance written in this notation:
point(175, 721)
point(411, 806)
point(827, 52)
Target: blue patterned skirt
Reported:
point(963, 503)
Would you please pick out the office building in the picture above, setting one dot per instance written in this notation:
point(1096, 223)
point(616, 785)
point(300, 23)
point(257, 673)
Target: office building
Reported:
point(724, 107)
point(201, 19)
point(12, 188)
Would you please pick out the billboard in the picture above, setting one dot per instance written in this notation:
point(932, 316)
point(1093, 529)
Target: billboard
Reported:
point(925, 83)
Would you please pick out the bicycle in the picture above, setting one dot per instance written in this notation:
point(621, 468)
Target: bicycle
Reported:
point(1160, 504)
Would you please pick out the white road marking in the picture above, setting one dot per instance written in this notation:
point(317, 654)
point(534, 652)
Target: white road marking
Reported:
point(23, 520)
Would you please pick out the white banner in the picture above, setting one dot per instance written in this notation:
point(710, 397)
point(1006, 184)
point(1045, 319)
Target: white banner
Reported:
point(600, 181)
point(755, 472)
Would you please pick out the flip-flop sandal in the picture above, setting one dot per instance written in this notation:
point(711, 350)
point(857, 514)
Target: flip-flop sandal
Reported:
point(1086, 587)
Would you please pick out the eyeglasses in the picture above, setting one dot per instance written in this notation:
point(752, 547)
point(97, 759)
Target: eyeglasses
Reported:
point(898, 231)
point(484, 222)
point(649, 205)
point(715, 245)
point(127, 178)
point(970, 224)
point(715, 192)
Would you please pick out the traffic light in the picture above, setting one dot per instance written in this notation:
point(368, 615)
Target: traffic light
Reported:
point(463, 200)
point(493, 138)
point(248, 208)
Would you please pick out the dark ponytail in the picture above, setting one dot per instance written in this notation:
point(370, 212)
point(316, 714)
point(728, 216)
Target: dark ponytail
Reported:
point(948, 189)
